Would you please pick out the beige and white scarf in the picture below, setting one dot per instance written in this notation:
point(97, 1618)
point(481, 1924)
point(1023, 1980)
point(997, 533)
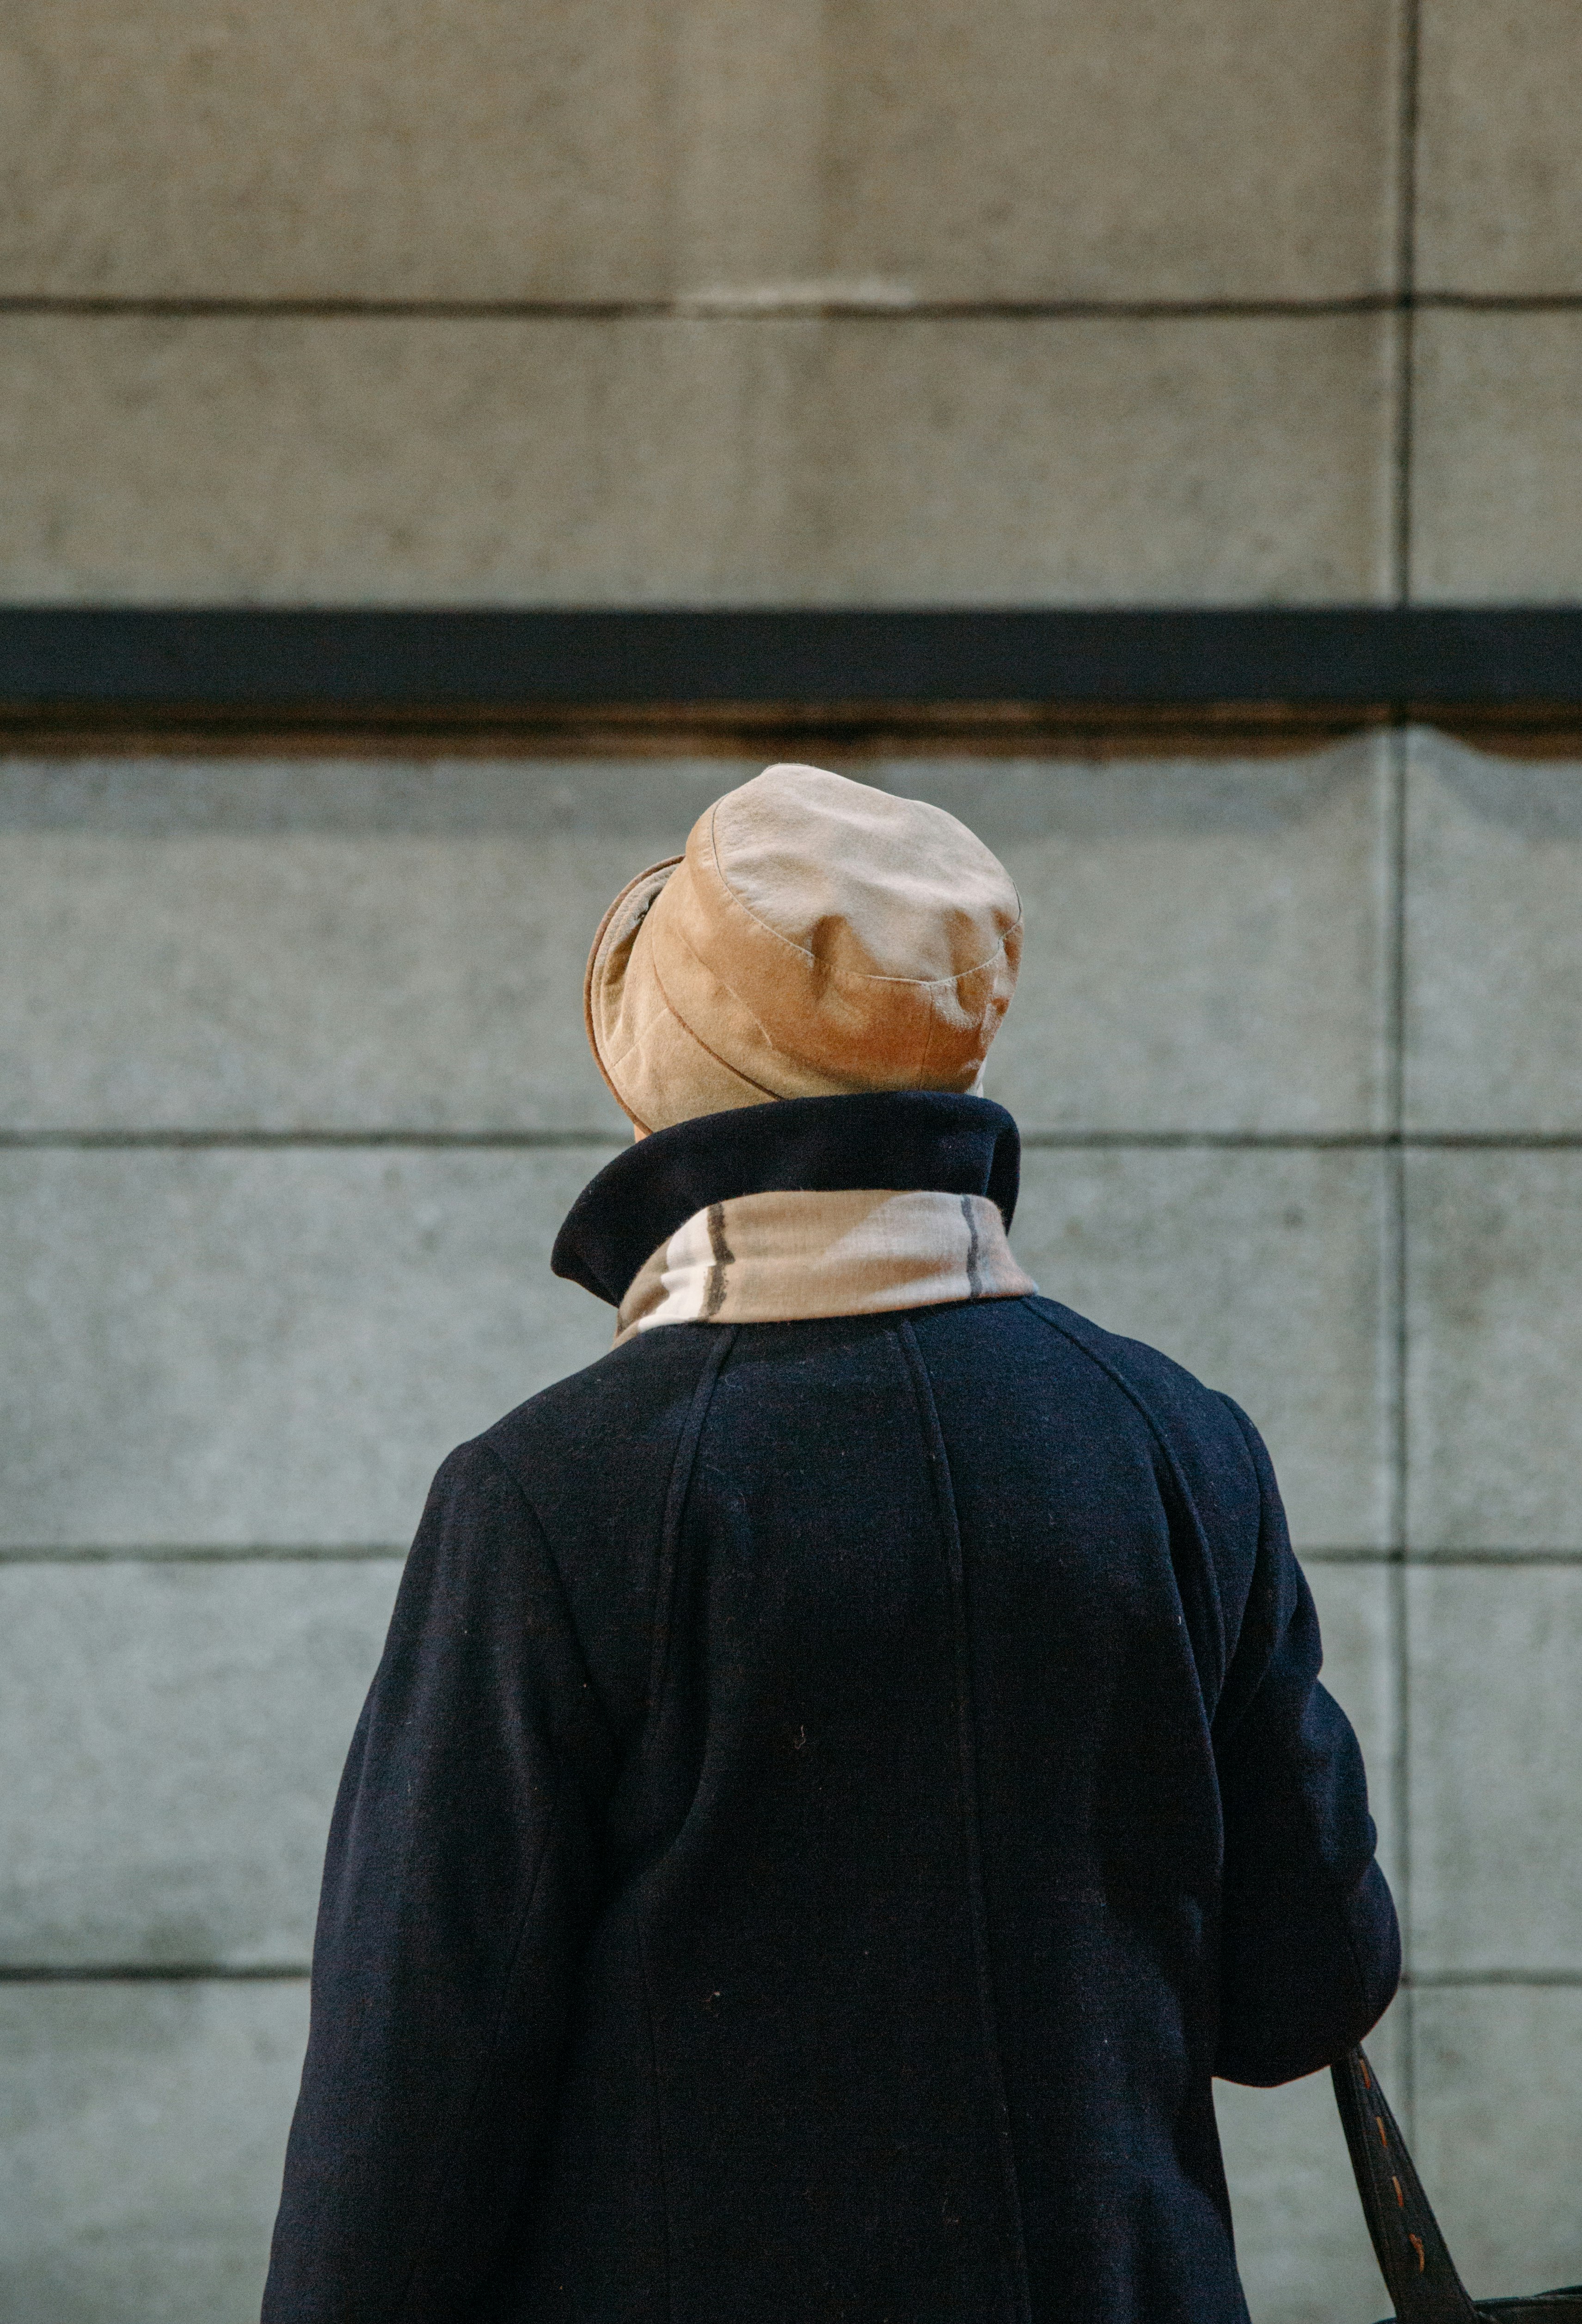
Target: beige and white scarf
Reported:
point(786, 1257)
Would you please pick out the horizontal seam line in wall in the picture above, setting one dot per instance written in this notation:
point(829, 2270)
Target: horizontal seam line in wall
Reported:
point(1419, 1978)
point(293, 1972)
point(159, 1553)
point(1052, 1140)
point(163, 1552)
point(772, 306)
point(1280, 1141)
point(152, 1973)
point(1495, 1554)
point(503, 1139)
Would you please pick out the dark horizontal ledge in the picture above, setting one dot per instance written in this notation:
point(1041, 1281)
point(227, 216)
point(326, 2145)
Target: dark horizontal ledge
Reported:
point(1013, 669)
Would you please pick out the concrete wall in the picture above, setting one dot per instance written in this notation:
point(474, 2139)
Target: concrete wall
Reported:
point(744, 304)
point(404, 301)
point(293, 1059)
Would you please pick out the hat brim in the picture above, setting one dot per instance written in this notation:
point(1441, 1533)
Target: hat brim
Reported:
point(601, 971)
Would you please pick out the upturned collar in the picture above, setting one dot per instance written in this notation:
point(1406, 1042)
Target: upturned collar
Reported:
point(906, 1141)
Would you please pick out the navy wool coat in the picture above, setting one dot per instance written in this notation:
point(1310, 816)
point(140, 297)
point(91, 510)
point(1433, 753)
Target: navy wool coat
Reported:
point(834, 1794)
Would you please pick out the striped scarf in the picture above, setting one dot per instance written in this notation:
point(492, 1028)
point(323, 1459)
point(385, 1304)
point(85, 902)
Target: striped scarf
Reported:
point(785, 1258)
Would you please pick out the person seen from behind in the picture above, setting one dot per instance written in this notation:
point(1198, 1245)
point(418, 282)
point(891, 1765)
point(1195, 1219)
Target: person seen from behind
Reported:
point(848, 1767)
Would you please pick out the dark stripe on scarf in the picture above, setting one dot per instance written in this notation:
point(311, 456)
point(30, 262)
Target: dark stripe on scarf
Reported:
point(974, 1277)
point(722, 1255)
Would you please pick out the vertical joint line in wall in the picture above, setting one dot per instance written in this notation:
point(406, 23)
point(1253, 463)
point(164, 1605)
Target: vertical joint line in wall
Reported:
point(1397, 1360)
point(1405, 263)
point(1405, 362)
point(1405, 365)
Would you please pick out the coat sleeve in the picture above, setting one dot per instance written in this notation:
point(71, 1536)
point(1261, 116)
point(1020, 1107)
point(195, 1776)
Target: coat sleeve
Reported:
point(1310, 1951)
point(462, 1875)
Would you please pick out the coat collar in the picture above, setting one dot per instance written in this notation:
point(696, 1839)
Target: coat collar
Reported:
point(907, 1141)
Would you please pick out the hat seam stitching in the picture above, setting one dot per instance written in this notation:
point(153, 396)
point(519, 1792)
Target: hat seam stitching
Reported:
point(860, 975)
point(693, 1034)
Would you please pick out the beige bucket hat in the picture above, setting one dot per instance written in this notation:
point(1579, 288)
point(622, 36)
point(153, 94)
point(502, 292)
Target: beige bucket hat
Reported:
point(817, 938)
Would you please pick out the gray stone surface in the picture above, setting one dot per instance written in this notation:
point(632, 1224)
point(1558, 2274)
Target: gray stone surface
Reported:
point(384, 149)
point(391, 149)
point(1263, 1273)
point(141, 2132)
point(1206, 941)
point(1493, 941)
point(1494, 1290)
point(350, 944)
point(1301, 2242)
point(1499, 2113)
point(316, 946)
point(1499, 170)
point(233, 1347)
point(1496, 1767)
point(172, 1735)
point(1099, 459)
point(1222, 149)
point(1497, 457)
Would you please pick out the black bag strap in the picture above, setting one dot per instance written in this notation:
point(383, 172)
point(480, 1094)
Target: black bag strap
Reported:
point(1412, 2254)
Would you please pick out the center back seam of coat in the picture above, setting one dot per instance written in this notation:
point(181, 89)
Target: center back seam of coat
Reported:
point(682, 1467)
point(1020, 2298)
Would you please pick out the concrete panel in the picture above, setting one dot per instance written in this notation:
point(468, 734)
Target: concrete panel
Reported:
point(279, 945)
point(1497, 458)
point(173, 1735)
point(242, 1346)
point(1301, 2242)
point(1493, 941)
point(390, 149)
point(1205, 942)
point(1494, 1366)
point(1221, 149)
point(1499, 174)
point(142, 2133)
point(382, 149)
point(316, 946)
point(1496, 1767)
point(1090, 460)
point(1499, 2114)
point(1260, 1271)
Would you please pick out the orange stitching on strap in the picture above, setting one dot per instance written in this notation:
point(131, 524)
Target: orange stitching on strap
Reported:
point(1379, 2125)
point(1399, 2198)
point(1423, 2257)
